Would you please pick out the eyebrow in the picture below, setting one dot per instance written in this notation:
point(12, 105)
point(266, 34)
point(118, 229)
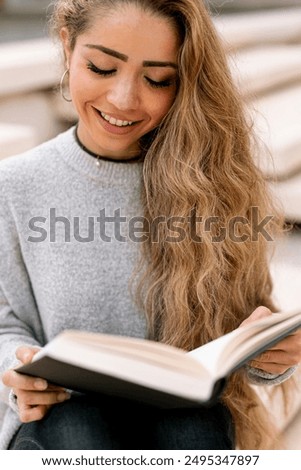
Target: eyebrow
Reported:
point(124, 58)
point(153, 63)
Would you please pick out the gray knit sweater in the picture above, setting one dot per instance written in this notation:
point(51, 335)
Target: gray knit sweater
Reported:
point(63, 262)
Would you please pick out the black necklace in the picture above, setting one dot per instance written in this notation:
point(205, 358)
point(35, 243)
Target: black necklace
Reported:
point(100, 157)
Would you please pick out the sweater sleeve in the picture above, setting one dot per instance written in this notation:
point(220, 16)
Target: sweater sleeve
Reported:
point(19, 318)
point(260, 377)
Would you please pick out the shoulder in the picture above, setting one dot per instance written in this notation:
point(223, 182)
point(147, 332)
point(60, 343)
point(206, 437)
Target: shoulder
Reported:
point(34, 166)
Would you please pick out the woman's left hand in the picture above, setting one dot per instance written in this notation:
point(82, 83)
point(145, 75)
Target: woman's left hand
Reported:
point(283, 355)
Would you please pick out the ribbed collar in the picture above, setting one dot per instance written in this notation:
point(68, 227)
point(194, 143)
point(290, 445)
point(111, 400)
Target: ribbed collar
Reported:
point(83, 162)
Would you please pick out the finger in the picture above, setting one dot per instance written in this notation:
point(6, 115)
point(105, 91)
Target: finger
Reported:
point(40, 398)
point(13, 379)
point(259, 313)
point(58, 388)
point(28, 414)
point(291, 347)
point(278, 357)
point(26, 353)
point(269, 367)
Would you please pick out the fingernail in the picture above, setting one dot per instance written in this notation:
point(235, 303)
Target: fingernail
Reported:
point(40, 384)
point(63, 396)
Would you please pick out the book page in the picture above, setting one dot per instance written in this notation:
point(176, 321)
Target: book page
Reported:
point(225, 353)
point(129, 368)
point(138, 349)
point(211, 353)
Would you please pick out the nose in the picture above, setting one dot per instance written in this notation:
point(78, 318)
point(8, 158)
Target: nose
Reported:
point(124, 94)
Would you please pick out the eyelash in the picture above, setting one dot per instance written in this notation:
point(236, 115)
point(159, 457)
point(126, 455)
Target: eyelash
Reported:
point(163, 84)
point(109, 73)
point(103, 73)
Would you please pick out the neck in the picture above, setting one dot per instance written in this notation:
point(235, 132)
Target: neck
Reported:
point(98, 157)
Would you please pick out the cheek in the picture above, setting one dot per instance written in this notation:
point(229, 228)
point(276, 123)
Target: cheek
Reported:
point(83, 87)
point(162, 105)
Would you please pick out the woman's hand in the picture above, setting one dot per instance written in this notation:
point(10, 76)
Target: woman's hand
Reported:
point(283, 355)
point(34, 395)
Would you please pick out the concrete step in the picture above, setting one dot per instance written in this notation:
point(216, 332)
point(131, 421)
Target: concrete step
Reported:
point(241, 30)
point(31, 109)
point(277, 123)
point(28, 65)
point(252, 4)
point(29, 6)
point(286, 271)
point(288, 193)
point(264, 68)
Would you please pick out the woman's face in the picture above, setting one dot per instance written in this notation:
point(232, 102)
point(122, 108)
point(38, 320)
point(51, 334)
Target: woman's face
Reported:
point(123, 79)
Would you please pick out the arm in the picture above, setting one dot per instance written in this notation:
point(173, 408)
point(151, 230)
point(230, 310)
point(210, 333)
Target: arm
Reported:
point(20, 325)
point(19, 319)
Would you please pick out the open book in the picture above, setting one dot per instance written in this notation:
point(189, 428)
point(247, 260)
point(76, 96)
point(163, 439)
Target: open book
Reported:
point(151, 372)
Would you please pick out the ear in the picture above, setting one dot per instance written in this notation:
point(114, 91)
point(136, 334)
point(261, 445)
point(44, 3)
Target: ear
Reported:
point(65, 38)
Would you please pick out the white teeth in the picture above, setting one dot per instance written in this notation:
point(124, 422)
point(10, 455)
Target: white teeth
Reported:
point(116, 122)
point(112, 121)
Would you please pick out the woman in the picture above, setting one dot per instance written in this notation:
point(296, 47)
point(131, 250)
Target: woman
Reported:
point(161, 138)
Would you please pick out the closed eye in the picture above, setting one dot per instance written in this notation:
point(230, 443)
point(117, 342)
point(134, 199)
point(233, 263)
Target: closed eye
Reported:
point(162, 84)
point(110, 72)
point(103, 73)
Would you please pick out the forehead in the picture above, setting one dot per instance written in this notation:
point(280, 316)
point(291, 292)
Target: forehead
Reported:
point(134, 32)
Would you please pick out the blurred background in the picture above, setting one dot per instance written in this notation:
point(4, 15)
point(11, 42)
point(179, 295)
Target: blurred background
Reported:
point(263, 43)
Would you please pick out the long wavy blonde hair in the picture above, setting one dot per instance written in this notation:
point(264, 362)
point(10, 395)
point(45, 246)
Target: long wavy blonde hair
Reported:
point(199, 169)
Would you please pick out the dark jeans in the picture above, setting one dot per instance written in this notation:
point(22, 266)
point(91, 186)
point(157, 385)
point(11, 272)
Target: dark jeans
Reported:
point(85, 423)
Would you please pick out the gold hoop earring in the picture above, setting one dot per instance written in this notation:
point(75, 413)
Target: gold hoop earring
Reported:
point(62, 87)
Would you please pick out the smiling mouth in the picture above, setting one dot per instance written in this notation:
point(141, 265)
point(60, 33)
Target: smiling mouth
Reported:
point(116, 122)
